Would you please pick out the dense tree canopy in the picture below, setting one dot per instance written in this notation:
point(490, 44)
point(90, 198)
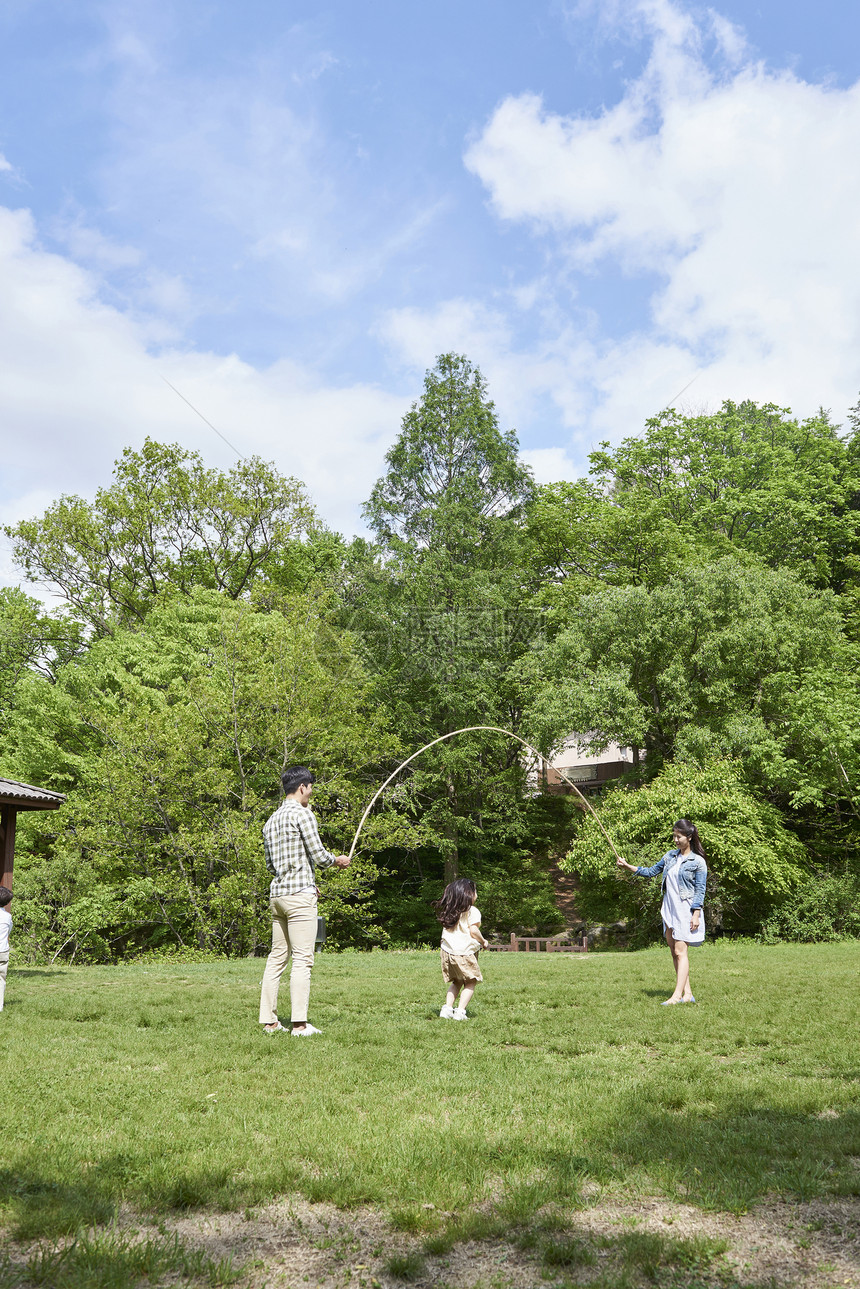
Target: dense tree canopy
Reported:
point(165, 522)
point(442, 607)
point(696, 598)
point(748, 480)
point(754, 860)
point(169, 741)
point(30, 641)
point(712, 663)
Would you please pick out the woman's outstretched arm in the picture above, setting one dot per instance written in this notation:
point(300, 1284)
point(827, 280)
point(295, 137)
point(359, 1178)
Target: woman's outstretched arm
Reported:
point(642, 872)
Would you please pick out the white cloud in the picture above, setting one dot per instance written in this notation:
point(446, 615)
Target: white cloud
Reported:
point(594, 388)
point(520, 379)
point(737, 186)
point(81, 380)
point(455, 326)
point(11, 174)
point(234, 176)
point(89, 246)
point(323, 61)
point(549, 465)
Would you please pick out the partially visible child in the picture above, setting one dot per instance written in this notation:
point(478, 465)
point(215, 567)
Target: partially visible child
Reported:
point(5, 928)
point(461, 940)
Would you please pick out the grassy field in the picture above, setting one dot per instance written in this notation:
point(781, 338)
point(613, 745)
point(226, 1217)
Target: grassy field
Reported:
point(153, 1086)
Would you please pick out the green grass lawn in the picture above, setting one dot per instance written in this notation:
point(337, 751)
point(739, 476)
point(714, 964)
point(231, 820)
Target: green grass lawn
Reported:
point(153, 1085)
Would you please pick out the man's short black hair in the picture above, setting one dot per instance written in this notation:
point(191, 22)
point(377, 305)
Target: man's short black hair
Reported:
point(5, 896)
point(295, 776)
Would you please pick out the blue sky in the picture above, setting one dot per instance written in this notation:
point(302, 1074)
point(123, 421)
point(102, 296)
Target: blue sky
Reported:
point(289, 207)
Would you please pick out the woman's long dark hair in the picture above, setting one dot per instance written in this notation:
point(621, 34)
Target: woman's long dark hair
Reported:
point(691, 832)
point(456, 899)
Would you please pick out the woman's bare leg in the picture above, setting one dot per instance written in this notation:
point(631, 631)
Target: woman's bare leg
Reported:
point(682, 968)
point(684, 975)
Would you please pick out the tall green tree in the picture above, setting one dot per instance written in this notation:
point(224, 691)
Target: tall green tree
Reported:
point(713, 664)
point(453, 477)
point(690, 617)
point(442, 606)
point(750, 480)
point(754, 861)
point(170, 739)
point(166, 522)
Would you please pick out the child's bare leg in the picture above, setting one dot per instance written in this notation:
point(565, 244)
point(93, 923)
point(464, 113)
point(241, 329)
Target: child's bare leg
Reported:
point(466, 996)
point(451, 996)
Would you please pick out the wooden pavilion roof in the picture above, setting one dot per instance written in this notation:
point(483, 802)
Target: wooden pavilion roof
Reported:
point(24, 796)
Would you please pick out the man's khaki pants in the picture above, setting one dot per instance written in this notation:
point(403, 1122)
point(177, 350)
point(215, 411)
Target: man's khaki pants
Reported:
point(294, 930)
point(4, 964)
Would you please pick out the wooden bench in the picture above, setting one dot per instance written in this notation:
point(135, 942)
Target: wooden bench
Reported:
point(542, 944)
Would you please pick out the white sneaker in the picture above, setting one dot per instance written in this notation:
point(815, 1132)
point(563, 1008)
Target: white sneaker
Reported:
point(447, 1013)
point(304, 1033)
point(460, 1014)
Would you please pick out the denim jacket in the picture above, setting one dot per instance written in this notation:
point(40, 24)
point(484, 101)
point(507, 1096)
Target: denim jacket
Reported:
point(692, 875)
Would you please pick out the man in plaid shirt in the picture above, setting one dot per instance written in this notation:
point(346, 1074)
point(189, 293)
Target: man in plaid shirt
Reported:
point(293, 852)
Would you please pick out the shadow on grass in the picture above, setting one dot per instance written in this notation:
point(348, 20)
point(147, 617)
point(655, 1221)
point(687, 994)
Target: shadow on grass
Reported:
point(732, 1159)
point(42, 1205)
point(117, 1259)
point(35, 971)
point(39, 1205)
point(668, 1132)
point(112, 1259)
point(625, 1260)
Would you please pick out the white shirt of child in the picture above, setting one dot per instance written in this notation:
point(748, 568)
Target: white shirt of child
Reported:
point(456, 939)
point(5, 928)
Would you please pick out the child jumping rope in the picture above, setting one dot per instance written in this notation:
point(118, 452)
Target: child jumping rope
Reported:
point(461, 939)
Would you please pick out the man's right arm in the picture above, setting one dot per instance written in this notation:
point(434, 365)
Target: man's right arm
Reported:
point(311, 836)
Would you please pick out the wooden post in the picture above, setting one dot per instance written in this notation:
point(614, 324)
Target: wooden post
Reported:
point(8, 815)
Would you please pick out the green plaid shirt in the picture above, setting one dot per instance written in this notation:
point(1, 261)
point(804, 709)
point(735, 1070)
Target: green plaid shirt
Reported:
point(293, 849)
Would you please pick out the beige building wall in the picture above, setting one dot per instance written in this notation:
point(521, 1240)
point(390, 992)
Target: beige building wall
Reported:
point(586, 769)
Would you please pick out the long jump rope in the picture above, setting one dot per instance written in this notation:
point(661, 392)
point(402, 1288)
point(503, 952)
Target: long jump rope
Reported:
point(469, 729)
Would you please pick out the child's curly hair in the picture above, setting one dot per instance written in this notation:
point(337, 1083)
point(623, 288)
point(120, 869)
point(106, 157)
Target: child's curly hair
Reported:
point(456, 899)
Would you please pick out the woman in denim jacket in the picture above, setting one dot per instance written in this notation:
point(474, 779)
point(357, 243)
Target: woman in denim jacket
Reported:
point(685, 874)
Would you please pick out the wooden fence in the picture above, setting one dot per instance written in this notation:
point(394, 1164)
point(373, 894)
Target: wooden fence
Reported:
point(542, 944)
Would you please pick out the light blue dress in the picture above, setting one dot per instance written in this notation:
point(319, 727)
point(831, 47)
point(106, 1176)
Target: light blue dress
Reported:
point(676, 912)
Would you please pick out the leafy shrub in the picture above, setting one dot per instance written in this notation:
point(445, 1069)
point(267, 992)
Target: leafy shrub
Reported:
point(754, 862)
point(825, 907)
